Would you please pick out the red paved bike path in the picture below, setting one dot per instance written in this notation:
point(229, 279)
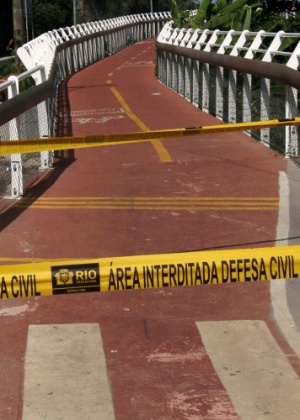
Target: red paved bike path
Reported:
point(156, 363)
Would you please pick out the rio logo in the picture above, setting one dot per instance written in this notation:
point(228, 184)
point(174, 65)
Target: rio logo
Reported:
point(75, 278)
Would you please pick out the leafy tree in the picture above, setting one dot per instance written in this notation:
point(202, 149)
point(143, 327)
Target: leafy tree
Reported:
point(180, 18)
point(223, 14)
point(270, 15)
point(104, 9)
point(279, 15)
point(281, 6)
point(51, 14)
point(6, 25)
point(293, 23)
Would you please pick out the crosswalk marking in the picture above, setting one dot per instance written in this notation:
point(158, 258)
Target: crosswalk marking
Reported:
point(253, 369)
point(65, 374)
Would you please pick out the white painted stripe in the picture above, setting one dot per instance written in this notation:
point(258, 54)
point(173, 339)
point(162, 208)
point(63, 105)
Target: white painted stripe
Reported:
point(253, 369)
point(283, 316)
point(65, 374)
point(283, 223)
point(281, 311)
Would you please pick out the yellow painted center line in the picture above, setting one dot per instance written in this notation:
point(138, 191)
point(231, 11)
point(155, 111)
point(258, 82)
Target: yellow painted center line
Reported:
point(153, 203)
point(144, 198)
point(154, 198)
point(149, 207)
point(108, 82)
point(110, 74)
point(159, 147)
point(33, 260)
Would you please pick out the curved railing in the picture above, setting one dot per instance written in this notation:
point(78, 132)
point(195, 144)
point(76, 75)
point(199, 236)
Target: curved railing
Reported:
point(49, 60)
point(236, 76)
point(133, 28)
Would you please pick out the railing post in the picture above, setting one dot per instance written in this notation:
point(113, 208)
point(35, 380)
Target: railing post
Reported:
point(265, 109)
point(291, 132)
point(247, 95)
point(14, 134)
point(46, 158)
point(181, 75)
point(196, 83)
point(220, 93)
point(169, 70)
point(232, 96)
point(188, 77)
point(174, 82)
point(205, 87)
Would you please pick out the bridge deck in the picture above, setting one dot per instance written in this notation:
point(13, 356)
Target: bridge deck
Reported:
point(164, 349)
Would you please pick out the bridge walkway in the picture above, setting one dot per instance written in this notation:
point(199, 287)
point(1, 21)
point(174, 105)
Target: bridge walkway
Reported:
point(156, 353)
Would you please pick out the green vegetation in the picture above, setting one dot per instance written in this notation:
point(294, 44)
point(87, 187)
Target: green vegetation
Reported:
point(224, 15)
point(254, 15)
point(48, 15)
point(54, 14)
point(13, 69)
point(240, 15)
point(221, 14)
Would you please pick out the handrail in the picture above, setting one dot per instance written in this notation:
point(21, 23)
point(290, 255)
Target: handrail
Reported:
point(42, 49)
point(234, 43)
point(237, 76)
point(59, 41)
point(40, 52)
point(192, 62)
point(49, 59)
point(273, 71)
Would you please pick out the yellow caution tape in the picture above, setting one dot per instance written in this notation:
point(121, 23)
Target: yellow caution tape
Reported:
point(8, 147)
point(149, 271)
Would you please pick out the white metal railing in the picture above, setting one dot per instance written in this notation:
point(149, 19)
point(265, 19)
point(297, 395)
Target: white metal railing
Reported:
point(42, 49)
point(225, 87)
point(49, 59)
point(261, 45)
point(15, 168)
point(236, 76)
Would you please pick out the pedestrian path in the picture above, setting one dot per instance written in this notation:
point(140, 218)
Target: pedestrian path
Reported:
point(182, 353)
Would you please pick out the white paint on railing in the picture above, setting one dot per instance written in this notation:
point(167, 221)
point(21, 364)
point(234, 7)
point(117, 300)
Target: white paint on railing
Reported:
point(236, 41)
point(294, 59)
point(38, 55)
point(274, 46)
point(227, 42)
point(213, 94)
point(42, 49)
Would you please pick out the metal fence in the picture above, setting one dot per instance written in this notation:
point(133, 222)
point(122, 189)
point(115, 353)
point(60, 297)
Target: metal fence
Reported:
point(236, 76)
point(49, 60)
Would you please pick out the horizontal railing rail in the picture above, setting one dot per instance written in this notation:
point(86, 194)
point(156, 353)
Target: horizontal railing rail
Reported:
point(262, 45)
point(236, 76)
point(49, 60)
